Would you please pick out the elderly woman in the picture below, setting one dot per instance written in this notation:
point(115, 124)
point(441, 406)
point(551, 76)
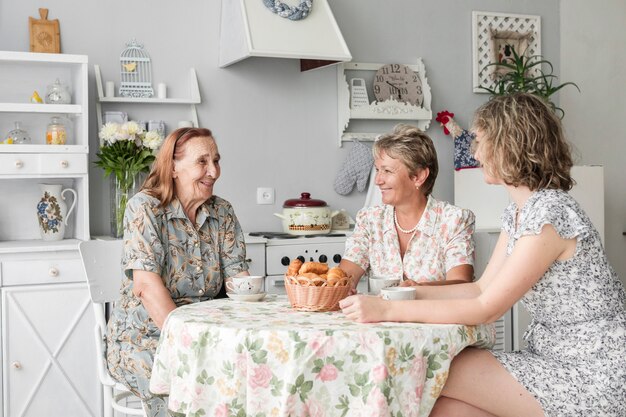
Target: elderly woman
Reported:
point(412, 236)
point(180, 243)
point(550, 256)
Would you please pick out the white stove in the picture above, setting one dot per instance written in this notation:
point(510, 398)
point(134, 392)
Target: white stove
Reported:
point(280, 251)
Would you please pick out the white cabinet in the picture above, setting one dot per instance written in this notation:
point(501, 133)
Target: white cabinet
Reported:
point(48, 356)
point(374, 110)
point(191, 100)
point(23, 167)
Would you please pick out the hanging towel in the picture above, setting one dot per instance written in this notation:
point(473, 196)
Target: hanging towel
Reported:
point(355, 170)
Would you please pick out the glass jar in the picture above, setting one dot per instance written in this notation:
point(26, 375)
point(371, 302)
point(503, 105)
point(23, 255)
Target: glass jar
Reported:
point(57, 132)
point(58, 93)
point(18, 135)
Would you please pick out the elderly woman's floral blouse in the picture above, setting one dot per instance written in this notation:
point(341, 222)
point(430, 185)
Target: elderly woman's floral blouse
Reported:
point(443, 240)
point(191, 262)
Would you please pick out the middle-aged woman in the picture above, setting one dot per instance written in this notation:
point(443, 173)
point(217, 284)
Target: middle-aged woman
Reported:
point(411, 236)
point(180, 243)
point(549, 255)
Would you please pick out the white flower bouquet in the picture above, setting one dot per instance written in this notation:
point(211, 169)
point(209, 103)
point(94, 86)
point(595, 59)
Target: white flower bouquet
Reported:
point(126, 150)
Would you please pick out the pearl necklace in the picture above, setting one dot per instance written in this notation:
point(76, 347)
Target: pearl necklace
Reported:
point(411, 230)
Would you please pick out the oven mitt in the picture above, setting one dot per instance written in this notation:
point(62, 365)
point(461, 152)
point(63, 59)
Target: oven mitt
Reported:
point(463, 157)
point(355, 170)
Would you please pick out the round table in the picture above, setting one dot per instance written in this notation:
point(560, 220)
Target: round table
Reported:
point(224, 357)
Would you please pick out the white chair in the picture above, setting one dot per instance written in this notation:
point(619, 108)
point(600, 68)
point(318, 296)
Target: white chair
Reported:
point(101, 261)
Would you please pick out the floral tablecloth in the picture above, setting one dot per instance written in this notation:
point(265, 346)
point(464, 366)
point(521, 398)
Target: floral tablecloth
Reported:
point(227, 358)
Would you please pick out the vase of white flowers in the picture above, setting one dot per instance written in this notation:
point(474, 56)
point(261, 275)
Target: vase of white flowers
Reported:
point(126, 151)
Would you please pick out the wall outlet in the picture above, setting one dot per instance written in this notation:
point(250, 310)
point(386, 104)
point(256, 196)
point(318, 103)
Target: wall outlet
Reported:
point(265, 195)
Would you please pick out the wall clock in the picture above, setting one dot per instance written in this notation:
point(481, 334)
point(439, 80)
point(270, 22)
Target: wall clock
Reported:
point(358, 118)
point(398, 82)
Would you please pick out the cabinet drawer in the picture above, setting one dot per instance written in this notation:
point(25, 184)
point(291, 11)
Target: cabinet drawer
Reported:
point(24, 164)
point(49, 271)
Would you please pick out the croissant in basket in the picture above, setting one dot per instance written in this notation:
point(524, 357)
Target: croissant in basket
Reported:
point(315, 274)
point(312, 286)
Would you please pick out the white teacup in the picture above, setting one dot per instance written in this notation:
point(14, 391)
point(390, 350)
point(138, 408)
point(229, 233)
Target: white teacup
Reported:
point(252, 284)
point(378, 283)
point(398, 293)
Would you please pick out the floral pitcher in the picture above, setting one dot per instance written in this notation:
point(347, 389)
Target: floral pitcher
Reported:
point(52, 211)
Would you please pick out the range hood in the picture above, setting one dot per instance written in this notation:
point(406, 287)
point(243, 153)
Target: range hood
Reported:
point(248, 28)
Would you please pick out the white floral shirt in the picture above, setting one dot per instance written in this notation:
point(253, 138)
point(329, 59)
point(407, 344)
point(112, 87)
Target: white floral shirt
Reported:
point(443, 240)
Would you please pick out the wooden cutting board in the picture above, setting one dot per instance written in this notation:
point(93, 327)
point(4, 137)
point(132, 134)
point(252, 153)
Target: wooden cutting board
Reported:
point(44, 33)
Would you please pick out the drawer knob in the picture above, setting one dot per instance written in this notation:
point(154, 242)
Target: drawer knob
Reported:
point(53, 272)
point(19, 164)
point(64, 164)
point(16, 365)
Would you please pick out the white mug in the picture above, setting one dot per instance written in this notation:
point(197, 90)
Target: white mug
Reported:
point(398, 293)
point(252, 284)
point(378, 283)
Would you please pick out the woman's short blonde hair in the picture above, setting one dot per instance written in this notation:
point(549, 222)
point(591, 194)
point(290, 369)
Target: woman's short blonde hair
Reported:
point(414, 149)
point(160, 181)
point(523, 143)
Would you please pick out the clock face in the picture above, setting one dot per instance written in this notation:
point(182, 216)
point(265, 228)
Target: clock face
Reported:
point(399, 82)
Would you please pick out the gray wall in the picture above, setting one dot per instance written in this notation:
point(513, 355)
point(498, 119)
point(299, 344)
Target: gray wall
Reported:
point(594, 121)
point(275, 126)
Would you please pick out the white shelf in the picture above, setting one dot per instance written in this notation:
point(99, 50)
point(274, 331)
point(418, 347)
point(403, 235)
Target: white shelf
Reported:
point(149, 100)
point(38, 245)
point(41, 108)
point(390, 110)
point(43, 57)
point(192, 100)
point(23, 167)
point(44, 149)
point(386, 110)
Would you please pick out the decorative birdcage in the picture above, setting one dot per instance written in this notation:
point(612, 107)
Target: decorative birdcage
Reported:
point(135, 71)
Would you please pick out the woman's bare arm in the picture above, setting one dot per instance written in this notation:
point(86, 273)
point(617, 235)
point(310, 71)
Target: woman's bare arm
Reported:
point(352, 270)
point(473, 303)
point(149, 288)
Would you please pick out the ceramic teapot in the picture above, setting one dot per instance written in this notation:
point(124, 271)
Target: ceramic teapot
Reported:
point(306, 216)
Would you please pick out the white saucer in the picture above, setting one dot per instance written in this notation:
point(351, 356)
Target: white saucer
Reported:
point(247, 297)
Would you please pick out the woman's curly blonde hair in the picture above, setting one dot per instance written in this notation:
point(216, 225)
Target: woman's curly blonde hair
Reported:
point(414, 149)
point(523, 143)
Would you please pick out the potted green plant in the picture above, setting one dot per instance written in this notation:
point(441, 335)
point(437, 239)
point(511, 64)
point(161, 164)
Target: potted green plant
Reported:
point(521, 73)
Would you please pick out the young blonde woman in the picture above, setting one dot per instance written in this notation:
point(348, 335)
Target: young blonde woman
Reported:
point(550, 256)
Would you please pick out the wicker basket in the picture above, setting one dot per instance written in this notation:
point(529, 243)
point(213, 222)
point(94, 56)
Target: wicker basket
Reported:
point(315, 295)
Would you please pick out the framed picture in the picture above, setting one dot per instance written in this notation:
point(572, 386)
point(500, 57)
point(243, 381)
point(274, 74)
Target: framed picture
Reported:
point(493, 37)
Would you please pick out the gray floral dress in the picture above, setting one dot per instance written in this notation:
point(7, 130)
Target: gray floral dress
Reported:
point(192, 263)
point(575, 363)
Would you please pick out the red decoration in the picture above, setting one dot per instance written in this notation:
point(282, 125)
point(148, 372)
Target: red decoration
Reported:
point(444, 117)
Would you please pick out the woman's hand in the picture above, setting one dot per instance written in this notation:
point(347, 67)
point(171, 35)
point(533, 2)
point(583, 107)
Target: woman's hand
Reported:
point(364, 308)
point(408, 283)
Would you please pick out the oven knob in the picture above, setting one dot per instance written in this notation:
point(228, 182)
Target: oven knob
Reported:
point(323, 258)
point(285, 260)
point(337, 258)
point(301, 258)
